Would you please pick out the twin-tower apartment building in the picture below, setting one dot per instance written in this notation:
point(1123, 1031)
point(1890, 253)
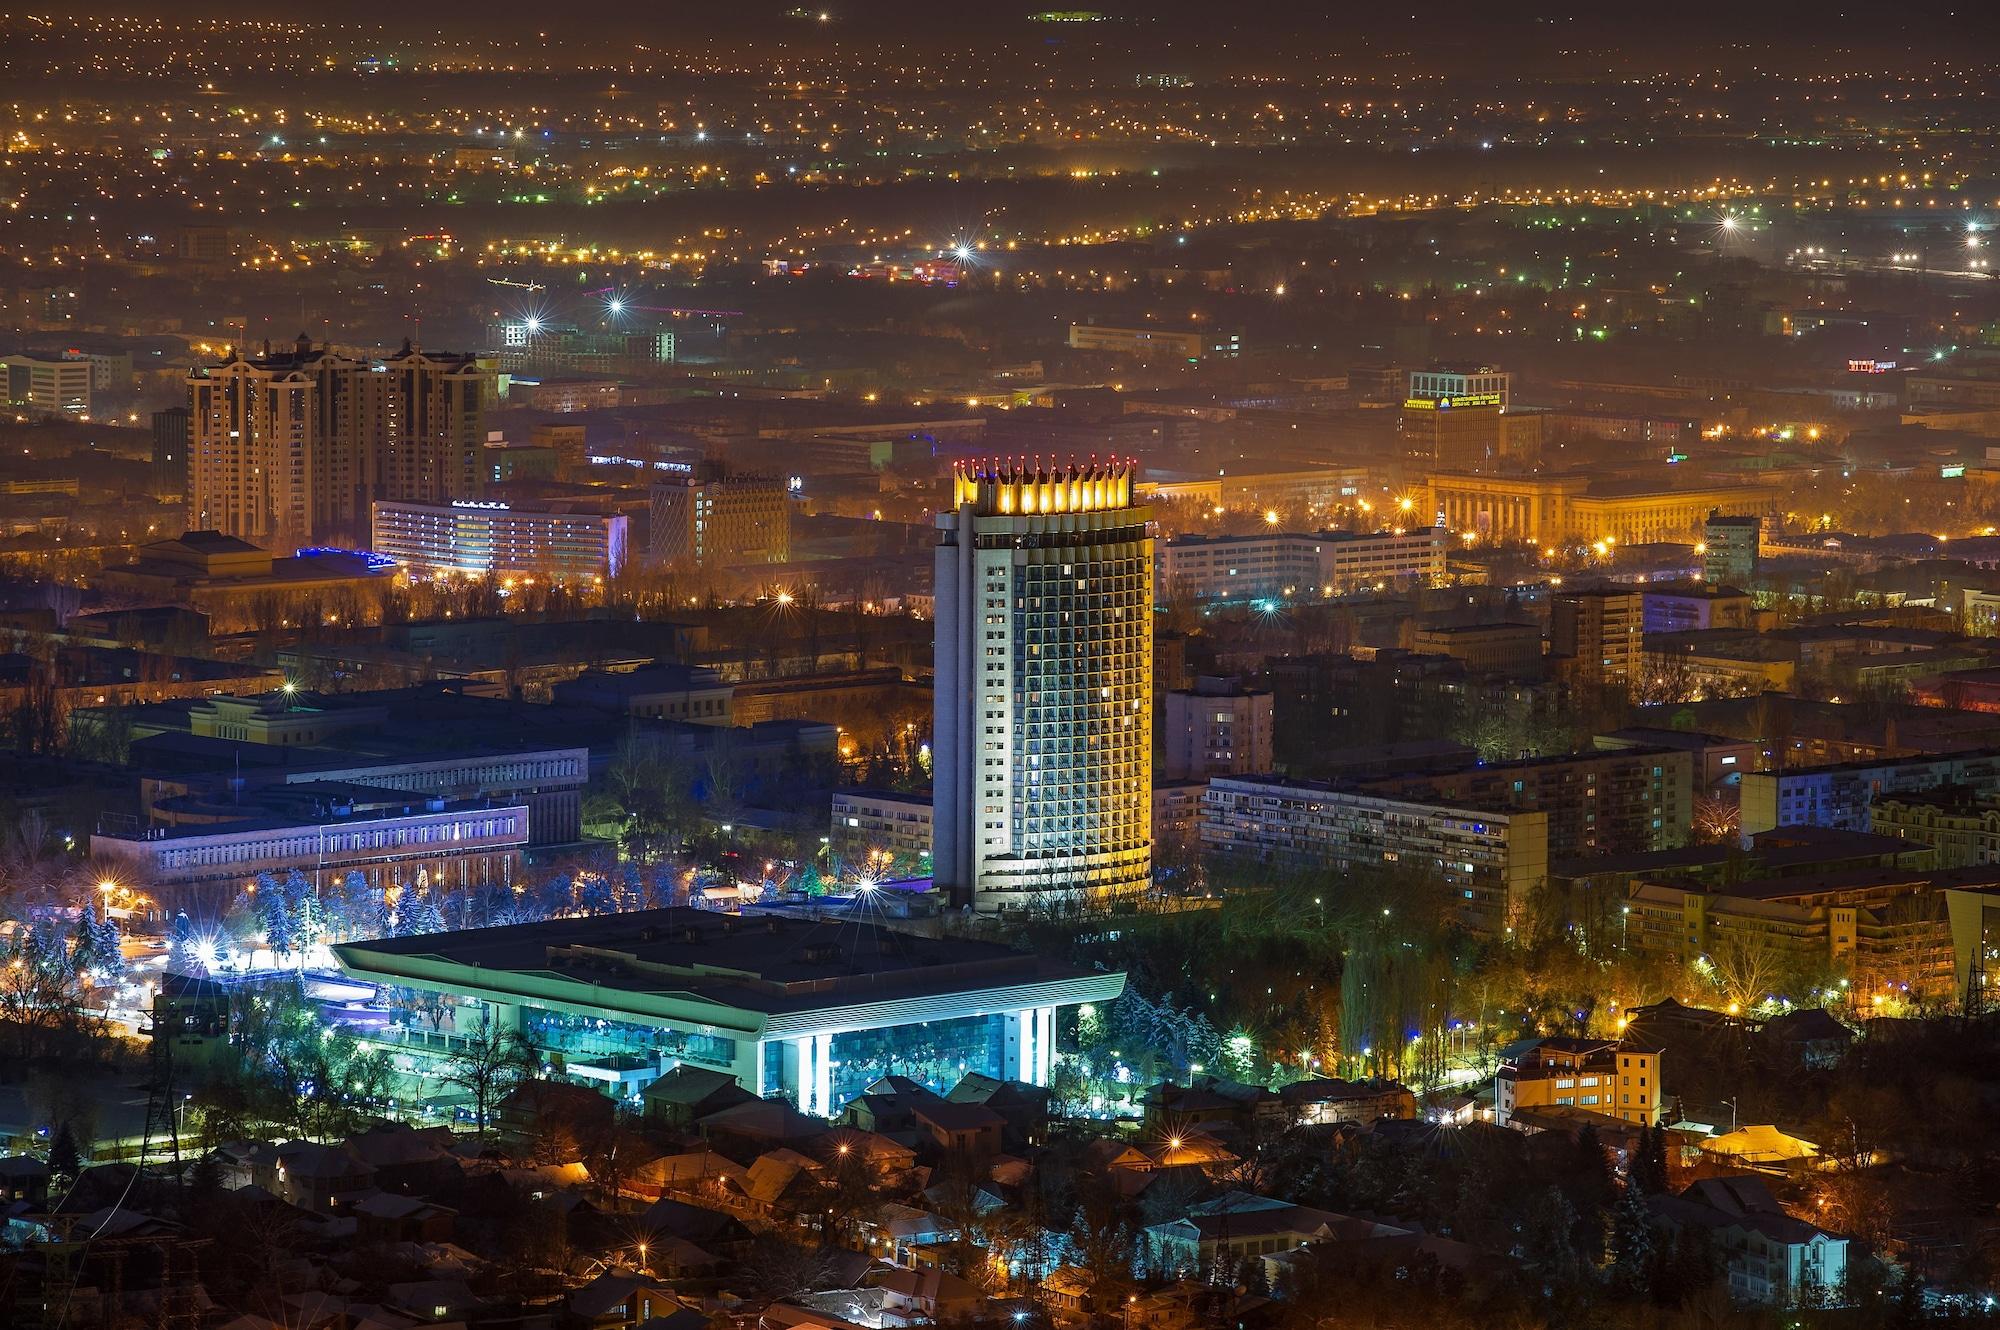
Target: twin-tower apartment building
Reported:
point(291, 447)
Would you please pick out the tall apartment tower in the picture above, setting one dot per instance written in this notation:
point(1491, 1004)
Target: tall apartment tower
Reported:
point(1044, 727)
point(1598, 634)
point(252, 443)
point(293, 447)
point(1729, 549)
point(170, 450)
point(430, 446)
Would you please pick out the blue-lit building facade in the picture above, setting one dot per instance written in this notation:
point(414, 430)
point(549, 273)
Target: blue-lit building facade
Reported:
point(810, 1011)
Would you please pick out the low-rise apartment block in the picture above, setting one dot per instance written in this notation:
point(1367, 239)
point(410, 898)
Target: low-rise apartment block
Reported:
point(1597, 1075)
point(1489, 860)
point(886, 832)
point(1840, 794)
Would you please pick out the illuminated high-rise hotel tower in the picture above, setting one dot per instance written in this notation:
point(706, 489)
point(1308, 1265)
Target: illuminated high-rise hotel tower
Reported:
point(1044, 726)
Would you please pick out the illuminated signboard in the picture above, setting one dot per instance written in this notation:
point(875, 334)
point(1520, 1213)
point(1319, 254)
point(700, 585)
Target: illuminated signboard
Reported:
point(1440, 403)
point(373, 561)
point(1870, 366)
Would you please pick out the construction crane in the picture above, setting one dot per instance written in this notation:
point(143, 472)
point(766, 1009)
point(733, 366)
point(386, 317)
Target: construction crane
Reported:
point(519, 286)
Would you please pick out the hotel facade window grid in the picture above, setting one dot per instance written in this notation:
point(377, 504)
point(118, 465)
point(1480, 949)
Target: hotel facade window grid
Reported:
point(1044, 710)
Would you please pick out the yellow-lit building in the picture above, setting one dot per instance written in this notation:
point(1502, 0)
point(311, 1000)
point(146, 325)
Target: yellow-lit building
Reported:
point(1549, 510)
point(1881, 929)
point(1153, 343)
point(718, 519)
point(1720, 668)
point(1974, 914)
point(1598, 1075)
point(1437, 434)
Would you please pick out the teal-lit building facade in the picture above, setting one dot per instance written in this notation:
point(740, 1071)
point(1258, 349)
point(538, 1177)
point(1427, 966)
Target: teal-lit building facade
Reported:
point(813, 1011)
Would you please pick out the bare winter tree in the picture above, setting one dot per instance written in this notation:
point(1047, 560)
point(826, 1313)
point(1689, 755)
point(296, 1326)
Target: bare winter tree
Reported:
point(488, 1066)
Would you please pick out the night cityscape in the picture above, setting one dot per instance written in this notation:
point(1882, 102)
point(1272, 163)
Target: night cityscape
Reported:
point(1158, 667)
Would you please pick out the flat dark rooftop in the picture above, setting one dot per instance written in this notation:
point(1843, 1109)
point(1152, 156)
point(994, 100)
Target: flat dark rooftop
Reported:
point(1979, 877)
point(1642, 861)
point(762, 963)
point(1773, 852)
point(1968, 754)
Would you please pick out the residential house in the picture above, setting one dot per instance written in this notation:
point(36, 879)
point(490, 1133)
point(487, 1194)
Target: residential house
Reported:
point(1761, 1148)
point(1330, 1100)
point(619, 1297)
point(432, 1300)
point(309, 1175)
point(1805, 1038)
point(759, 1125)
point(689, 1093)
point(1024, 1107)
point(695, 1171)
point(1771, 1258)
point(382, 1217)
point(896, 1231)
point(1067, 1292)
point(1211, 1103)
point(1218, 1235)
point(785, 1186)
point(884, 1158)
point(406, 1159)
point(536, 1108)
point(931, 1295)
point(24, 1178)
point(712, 1230)
point(971, 1129)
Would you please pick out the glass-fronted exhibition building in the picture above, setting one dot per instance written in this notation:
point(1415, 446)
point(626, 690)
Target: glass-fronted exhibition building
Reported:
point(811, 1010)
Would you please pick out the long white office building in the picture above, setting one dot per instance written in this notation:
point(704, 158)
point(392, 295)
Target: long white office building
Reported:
point(1299, 565)
point(562, 541)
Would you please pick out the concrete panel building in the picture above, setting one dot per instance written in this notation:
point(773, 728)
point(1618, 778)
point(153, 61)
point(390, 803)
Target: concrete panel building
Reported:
point(1489, 861)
